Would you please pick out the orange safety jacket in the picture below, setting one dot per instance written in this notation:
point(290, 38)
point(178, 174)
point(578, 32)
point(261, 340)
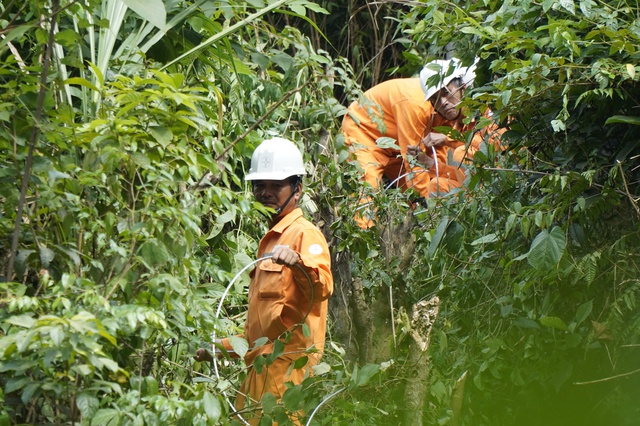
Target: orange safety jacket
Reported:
point(280, 300)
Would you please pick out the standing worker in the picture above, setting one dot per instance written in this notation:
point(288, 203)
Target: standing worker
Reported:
point(408, 110)
point(288, 294)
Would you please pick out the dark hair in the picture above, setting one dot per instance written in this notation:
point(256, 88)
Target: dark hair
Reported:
point(294, 180)
point(457, 81)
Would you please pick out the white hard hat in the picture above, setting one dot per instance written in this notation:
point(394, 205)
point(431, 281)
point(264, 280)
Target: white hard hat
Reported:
point(439, 73)
point(276, 159)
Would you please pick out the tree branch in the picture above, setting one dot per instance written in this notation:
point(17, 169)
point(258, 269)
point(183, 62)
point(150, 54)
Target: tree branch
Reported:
point(606, 379)
point(32, 142)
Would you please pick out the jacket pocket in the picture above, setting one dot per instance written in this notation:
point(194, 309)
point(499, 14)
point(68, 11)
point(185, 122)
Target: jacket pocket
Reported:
point(270, 281)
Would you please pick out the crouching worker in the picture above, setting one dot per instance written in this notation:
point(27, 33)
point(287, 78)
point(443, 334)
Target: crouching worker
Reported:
point(288, 294)
point(408, 110)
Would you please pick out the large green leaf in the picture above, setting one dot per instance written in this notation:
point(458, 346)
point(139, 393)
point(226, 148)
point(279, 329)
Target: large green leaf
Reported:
point(87, 404)
point(106, 417)
point(151, 10)
point(547, 249)
point(153, 253)
point(240, 346)
point(293, 398)
point(365, 373)
point(211, 406)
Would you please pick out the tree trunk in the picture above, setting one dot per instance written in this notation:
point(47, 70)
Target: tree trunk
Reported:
point(423, 317)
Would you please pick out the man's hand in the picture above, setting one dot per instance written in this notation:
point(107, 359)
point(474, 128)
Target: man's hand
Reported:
point(434, 140)
point(283, 255)
point(420, 156)
point(203, 355)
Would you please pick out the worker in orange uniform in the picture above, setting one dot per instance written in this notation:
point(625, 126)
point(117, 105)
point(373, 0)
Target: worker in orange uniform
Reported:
point(288, 294)
point(408, 110)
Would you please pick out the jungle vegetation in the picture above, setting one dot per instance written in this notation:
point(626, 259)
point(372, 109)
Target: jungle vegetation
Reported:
point(126, 127)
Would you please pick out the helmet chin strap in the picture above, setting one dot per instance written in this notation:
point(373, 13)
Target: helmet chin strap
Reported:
point(279, 209)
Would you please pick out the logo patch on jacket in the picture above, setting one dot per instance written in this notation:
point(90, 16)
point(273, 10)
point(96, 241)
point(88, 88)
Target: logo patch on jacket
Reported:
point(315, 249)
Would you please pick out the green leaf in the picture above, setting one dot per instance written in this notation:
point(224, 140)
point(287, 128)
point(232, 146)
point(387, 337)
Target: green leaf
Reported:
point(212, 406)
point(240, 346)
point(55, 175)
point(300, 362)
point(151, 10)
point(631, 70)
point(438, 235)
point(489, 238)
point(226, 217)
point(321, 368)
point(583, 311)
point(306, 331)
point(366, 373)
point(269, 402)
point(153, 253)
point(283, 60)
point(554, 322)
point(278, 349)
point(15, 33)
point(21, 321)
point(152, 385)
point(16, 383)
point(29, 391)
point(623, 119)
point(82, 82)
point(46, 256)
point(387, 143)
point(569, 6)
point(162, 135)
point(106, 417)
point(57, 335)
point(258, 363)
point(141, 159)
point(87, 404)
point(298, 9)
point(260, 342)
point(293, 398)
point(525, 323)
point(547, 249)
point(67, 37)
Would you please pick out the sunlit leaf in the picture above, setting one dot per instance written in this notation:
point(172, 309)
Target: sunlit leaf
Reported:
point(24, 321)
point(151, 10)
point(568, 5)
point(212, 406)
point(239, 345)
point(387, 143)
point(631, 70)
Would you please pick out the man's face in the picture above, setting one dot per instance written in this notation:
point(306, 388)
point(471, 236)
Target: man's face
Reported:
point(274, 193)
point(448, 101)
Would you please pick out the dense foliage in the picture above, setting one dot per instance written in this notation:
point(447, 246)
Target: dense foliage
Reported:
point(125, 130)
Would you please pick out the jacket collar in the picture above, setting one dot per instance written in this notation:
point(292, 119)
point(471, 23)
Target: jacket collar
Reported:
point(287, 220)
